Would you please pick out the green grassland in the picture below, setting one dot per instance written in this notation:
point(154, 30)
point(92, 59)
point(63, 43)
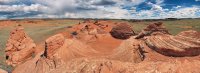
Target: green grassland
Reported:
point(40, 33)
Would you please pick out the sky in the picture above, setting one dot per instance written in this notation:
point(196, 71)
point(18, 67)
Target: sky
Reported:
point(109, 9)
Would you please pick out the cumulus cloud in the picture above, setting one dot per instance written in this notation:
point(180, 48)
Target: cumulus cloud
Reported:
point(22, 8)
point(155, 6)
point(187, 12)
point(70, 8)
point(118, 9)
point(136, 2)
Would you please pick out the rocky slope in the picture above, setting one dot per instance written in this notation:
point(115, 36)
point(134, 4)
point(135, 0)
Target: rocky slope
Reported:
point(108, 47)
point(19, 47)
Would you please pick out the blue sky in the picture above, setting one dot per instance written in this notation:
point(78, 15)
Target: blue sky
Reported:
point(117, 9)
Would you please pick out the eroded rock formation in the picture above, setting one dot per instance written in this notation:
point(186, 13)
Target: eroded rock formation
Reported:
point(190, 34)
point(3, 71)
point(66, 49)
point(184, 44)
point(128, 51)
point(111, 66)
point(19, 47)
point(108, 47)
point(153, 29)
point(60, 51)
point(52, 44)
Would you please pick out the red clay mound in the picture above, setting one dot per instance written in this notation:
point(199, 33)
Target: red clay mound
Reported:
point(59, 47)
point(153, 29)
point(184, 44)
point(67, 49)
point(59, 53)
point(122, 31)
point(128, 51)
point(96, 34)
point(19, 47)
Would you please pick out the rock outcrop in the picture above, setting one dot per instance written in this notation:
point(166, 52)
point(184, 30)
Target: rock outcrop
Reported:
point(60, 52)
point(153, 29)
point(190, 34)
point(91, 65)
point(96, 35)
point(107, 47)
point(53, 44)
point(159, 39)
point(184, 44)
point(128, 51)
point(122, 31)
point(66, 49)
point(19, 48)
point(3, 71)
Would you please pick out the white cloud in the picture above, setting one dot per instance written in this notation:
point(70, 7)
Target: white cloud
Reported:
point(158, 2)
point(6, 1)
point(178, 7)
point(137, 2)
point(83, 9)
point(24, 8)
point(116, 12)
point(108, 12)
point(187, 12)
point(155, 7)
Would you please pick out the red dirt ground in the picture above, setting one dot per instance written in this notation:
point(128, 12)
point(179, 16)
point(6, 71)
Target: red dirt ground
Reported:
point(88, 47)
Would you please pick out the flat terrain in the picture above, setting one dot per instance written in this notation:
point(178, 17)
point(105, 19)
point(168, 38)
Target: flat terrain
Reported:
point(39, 30)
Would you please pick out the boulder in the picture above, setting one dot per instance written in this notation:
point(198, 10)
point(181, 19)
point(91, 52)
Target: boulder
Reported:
point(122, 31)
point(19, 47)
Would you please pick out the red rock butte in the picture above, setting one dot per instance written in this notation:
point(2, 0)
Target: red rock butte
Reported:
point(106, 47)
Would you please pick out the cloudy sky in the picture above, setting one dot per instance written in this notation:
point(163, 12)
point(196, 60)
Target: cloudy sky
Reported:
point(117, 9)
